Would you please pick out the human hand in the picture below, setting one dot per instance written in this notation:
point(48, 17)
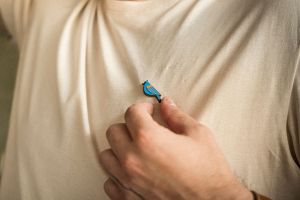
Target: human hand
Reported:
point(181, 162)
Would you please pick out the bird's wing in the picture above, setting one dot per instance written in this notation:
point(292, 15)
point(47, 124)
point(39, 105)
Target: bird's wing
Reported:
point(152, 89)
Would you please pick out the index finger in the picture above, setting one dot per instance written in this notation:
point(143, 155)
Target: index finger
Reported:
point(138, 118)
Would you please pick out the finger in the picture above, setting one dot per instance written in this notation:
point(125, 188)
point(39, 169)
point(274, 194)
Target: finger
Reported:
point(112, 166)
point(119, 139)
point(139, 117)
point(176, 119)
point(113, 191)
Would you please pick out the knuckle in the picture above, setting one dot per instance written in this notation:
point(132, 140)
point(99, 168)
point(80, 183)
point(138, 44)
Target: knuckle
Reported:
point(112, 132)
point(131, 111)
point(130, 165)
point(127, 161)
point(104, 155)
point(142, 138)
point(134, 171)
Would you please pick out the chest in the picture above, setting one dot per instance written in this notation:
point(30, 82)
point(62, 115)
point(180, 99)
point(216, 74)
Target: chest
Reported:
point(226, 64)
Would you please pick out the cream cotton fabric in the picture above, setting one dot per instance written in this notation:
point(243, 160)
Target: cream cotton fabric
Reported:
point(231, 64)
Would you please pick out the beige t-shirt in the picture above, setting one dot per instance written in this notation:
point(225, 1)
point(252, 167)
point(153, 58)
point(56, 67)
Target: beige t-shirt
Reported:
point(229, 63)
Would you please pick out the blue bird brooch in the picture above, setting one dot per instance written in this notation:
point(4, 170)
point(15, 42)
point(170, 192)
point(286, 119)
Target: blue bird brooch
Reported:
point(149, 90)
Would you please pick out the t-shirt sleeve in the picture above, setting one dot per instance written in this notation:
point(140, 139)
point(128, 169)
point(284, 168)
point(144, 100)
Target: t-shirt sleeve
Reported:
point(293, 121)
point(16, 15)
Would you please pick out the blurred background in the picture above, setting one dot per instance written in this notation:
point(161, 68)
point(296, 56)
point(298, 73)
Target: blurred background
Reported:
point(8, 69)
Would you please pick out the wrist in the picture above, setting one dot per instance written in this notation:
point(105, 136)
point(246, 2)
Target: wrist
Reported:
point(257, 196)
point(235, 191)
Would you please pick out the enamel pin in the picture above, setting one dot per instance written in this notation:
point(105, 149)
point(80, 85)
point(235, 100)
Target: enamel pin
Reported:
point(149, 90)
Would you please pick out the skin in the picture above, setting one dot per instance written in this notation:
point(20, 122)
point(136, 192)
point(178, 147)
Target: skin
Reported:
point(180, 162)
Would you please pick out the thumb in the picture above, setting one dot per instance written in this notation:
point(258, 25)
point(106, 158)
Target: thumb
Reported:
point(177, 120)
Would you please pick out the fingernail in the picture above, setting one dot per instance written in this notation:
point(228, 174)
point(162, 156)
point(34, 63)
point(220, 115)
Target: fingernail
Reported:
point(170, 101)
